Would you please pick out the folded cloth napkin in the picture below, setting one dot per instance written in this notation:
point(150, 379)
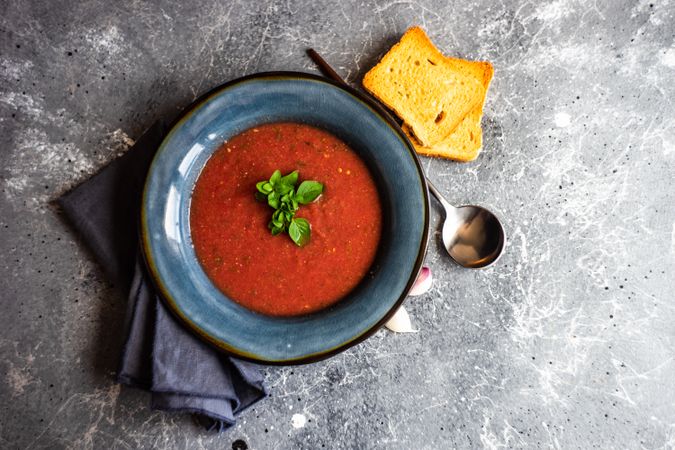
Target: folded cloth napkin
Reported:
point(182, 372)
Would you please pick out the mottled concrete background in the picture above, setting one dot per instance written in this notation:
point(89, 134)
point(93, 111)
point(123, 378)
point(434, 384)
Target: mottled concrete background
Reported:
point(567, 343)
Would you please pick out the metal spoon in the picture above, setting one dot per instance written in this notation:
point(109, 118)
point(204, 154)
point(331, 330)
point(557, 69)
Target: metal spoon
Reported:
point(472, 235)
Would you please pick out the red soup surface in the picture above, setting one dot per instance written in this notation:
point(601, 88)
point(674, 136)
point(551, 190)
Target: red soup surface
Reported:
point(271, 274)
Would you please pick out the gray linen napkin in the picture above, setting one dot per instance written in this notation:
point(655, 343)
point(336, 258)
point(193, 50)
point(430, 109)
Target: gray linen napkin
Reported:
point(182, 372)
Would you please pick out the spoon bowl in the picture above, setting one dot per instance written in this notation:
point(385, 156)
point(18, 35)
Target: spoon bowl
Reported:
point(472, 235)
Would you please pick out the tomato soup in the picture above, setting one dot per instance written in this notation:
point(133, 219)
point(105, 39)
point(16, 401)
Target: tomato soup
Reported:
point(271, 274)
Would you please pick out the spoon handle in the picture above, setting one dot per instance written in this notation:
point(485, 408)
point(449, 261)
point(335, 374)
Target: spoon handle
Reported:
point(446, 205)
point(325, 67)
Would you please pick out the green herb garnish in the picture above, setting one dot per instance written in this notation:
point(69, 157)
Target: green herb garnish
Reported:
point(279, 192)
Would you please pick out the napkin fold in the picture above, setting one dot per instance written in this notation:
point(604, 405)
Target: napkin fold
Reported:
point(182, 372)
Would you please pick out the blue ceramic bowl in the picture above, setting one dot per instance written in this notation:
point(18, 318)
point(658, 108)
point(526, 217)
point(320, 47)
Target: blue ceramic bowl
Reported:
point(165, 228)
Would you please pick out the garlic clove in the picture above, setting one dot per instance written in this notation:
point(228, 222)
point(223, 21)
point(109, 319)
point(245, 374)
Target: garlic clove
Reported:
point(400, 322)
point(423, 282)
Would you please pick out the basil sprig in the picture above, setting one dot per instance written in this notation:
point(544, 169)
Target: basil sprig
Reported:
point(279, 192)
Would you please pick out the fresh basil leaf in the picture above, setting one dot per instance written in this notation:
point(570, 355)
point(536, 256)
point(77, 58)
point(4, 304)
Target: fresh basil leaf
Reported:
point(294, 232)
point(290, 205)
point(278, 218)
point(282, 196)
point(276, 230)
point(264, 187)
point(290, 179)
point(299, 231)
point(273, 200)
point(282, 189)
point(308, 192)
point(286, 184)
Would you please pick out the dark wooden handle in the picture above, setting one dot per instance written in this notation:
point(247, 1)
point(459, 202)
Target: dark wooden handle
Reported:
point(325, 68)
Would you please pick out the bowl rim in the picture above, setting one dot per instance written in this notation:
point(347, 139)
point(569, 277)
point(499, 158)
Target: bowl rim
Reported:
point(151, 267)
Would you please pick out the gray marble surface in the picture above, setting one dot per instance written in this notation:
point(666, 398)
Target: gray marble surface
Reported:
point(569, 342)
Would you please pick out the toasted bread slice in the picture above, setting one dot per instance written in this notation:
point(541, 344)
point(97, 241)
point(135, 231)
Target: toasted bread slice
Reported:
point(465, 143)
point(415, 80)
